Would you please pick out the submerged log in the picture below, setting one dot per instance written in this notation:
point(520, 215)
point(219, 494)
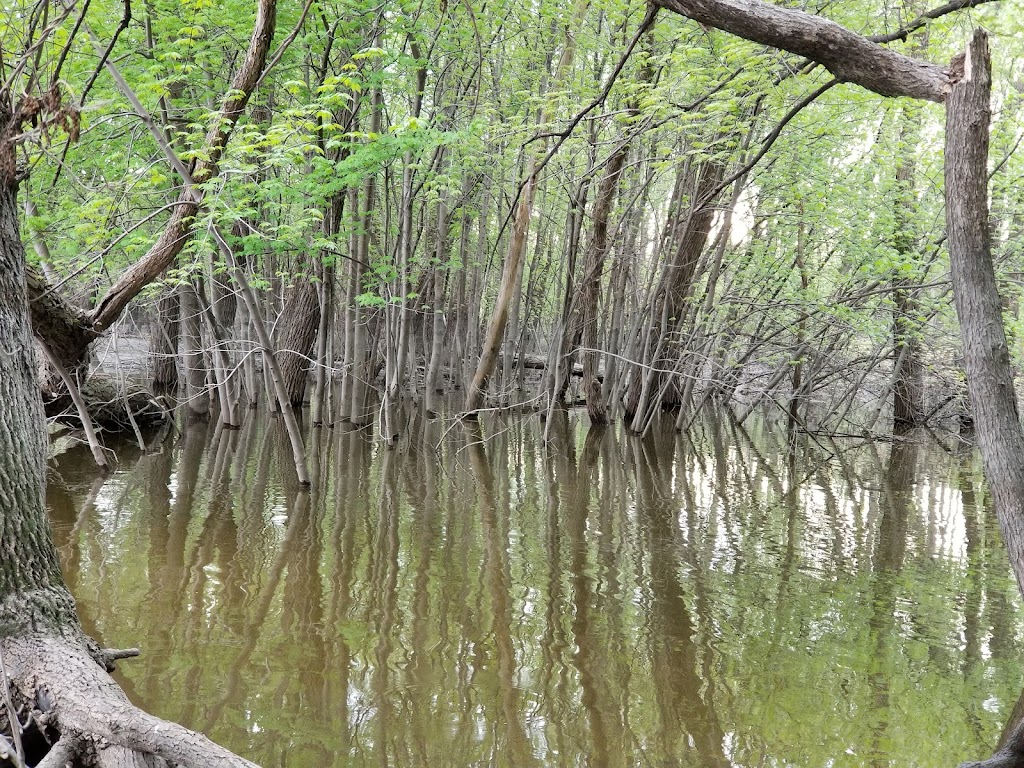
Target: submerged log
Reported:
point(111, 406)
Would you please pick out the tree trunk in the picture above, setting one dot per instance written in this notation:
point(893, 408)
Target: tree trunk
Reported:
point(908, 377)
point(432, 381)
point(197, 398)
point(847, 55)
point(298, 334)
point(593, 269)
point(659, 388)
point(986, 353)
point(359, 411)
point(163, 343)
point(509, 281)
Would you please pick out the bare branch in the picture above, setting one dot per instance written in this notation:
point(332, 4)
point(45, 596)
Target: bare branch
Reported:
point(847, 55)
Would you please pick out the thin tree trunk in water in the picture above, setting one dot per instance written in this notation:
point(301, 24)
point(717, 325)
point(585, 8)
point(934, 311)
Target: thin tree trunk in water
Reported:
point(358, 409)
point(432, 382)
point(672, 296)
point(163, 342)
point(510, 368)
point(476, 283)
point(197, 399)
point(298, 335)
point(269, 356)
point(458, 349)
point(908, 377)
point(250, 374)
point(560, 359)
point(221, 368)
point(350, 284)
point(610, 387)
point(223, 296)
point(509, 275)
point(593, 269)
point(323, 363)
point(797, 384)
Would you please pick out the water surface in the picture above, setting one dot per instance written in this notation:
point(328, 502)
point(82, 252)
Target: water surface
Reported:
point(486, 596)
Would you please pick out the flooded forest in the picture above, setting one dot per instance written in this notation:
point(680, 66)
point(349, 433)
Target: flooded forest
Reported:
point(433, 383)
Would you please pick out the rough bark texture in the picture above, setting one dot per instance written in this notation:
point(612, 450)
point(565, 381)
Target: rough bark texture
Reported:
point(28, 560)
point(298, 334)
point(63, 327)
point(986, 353)
point(847, 55)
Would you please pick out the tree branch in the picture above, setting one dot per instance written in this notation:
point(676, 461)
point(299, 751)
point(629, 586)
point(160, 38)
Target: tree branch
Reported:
point(924, 18)
point(847, 55)
point(180, 228)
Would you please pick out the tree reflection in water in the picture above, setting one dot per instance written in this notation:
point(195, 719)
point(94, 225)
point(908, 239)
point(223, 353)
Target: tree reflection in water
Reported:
point(481, 596)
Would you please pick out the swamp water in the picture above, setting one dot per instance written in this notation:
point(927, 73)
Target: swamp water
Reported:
point(486, 597)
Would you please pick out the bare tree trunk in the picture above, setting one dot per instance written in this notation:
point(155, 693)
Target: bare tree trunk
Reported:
point(163, 344)
point(297, 335)
point(220, 369)
point(797, 383)
point(360, 363)
point(318, 403)
point(432, 383)
point(590, 285)
point(908, 407)
point(197, 398)
point(986, 353)
point(475, 299)
point(659, 388)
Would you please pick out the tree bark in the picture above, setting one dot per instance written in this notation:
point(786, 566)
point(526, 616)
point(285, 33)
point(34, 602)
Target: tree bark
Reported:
point(301, 322)
point(197, 397)
point(163, 342)
point(847, 55)
point(986, 353)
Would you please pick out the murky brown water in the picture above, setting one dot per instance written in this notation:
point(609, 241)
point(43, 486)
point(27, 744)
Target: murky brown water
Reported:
point(597, 600)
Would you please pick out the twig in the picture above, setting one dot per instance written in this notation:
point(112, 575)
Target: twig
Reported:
point(79, 401)
point(18, 756)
